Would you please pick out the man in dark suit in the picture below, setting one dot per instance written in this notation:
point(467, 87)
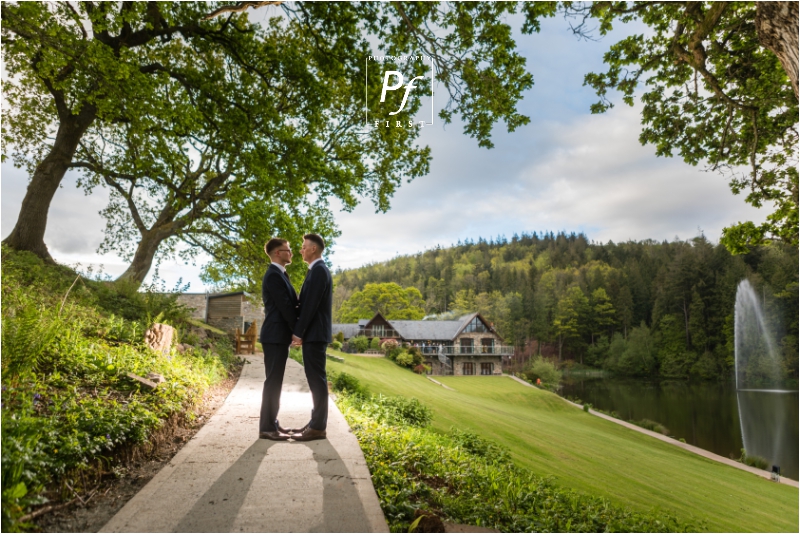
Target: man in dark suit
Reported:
point(313, 331)
point(280, 307)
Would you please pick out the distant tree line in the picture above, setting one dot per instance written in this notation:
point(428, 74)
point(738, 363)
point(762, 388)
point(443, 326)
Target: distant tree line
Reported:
point(643, 308)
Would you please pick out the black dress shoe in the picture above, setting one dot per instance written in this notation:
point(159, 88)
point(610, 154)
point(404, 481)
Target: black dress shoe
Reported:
point(309, 434)
point(274, 435)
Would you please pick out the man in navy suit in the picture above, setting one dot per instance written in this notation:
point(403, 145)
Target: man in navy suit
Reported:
point(313, 331)
point(280, 307)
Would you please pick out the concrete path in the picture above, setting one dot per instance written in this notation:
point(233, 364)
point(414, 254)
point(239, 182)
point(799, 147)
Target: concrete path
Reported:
point(227, 480)
point(691, 448)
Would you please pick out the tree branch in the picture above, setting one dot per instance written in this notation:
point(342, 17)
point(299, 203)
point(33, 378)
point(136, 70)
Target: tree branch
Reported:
point(238, 8)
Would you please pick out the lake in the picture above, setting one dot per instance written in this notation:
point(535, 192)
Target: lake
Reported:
point(705, 414)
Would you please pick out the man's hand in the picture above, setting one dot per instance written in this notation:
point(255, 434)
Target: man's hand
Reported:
point(296, 341)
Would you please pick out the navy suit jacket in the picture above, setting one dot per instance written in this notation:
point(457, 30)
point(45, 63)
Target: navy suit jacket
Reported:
point(280, 307)
point(316, 303)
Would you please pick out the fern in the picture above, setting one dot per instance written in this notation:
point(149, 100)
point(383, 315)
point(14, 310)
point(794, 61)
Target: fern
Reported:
point(26, 336)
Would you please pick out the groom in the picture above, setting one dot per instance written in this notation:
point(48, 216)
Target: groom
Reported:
point(280, 307)
point(313, 331)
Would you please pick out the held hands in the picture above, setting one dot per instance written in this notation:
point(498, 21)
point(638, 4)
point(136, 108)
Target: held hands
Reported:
point(296, 341)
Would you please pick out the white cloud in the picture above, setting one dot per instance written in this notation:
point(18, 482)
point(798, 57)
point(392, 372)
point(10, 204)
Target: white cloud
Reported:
point(588, 174)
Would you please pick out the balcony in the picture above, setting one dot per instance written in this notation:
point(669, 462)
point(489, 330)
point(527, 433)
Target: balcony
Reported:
point(378, 331)
point(496, 350)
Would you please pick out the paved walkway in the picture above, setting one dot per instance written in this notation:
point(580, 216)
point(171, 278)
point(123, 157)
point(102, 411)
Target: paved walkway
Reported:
point(227, 480)
point(691, 448)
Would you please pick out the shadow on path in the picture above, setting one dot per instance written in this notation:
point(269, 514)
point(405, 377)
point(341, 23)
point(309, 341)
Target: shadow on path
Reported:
point(219, 507)
point(342, 509)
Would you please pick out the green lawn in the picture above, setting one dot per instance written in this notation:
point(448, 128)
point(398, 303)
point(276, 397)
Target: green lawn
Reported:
point(589, 454)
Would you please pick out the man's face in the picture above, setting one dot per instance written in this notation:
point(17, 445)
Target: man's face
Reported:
point(308, 251)
point(283, 255)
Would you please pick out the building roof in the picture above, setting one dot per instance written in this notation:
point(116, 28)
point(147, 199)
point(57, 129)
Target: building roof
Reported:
point(416, 330)
point(433, 330)
point(349, 330)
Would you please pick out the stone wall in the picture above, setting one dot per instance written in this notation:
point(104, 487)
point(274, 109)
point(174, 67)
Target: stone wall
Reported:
point(477, 337)
point(195, 302)
point(438, 368)
point(458, 365)
point(253, 312)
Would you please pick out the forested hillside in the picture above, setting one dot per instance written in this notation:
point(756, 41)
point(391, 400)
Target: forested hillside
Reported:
point(637, 308)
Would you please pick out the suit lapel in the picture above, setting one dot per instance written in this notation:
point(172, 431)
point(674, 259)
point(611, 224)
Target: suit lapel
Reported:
point(285, 278)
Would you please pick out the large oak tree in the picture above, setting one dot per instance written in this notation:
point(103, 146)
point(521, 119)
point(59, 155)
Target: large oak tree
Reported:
point(114, 78)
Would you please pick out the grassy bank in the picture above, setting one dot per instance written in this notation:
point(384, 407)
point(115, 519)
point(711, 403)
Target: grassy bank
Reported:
point(586, 453)
point(423, 476)
point(70, 414)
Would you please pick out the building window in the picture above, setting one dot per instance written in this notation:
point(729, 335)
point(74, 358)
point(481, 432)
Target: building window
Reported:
point(487, 368)
point(469, 368)
point(466, 345)
point(476, 325)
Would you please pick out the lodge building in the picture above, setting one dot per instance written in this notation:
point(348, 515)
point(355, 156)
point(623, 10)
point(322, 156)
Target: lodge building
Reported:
point(468, 345)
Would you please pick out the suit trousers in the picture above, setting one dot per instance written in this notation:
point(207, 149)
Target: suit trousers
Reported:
point(275, 356)
point(314, 365)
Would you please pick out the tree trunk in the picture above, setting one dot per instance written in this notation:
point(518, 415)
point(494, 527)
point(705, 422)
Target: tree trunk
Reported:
point(144, 256)
point(777, 29)
point(28, 233)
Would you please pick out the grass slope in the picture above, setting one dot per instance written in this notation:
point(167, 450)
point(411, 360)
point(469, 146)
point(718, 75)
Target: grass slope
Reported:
point(589, 454)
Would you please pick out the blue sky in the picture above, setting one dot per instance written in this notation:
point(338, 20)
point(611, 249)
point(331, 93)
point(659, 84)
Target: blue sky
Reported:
point(566, 170)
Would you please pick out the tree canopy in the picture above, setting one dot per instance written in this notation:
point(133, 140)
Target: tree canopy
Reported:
point(642, 308)
point(175, 109)
point(388, 299)
point(718, 83)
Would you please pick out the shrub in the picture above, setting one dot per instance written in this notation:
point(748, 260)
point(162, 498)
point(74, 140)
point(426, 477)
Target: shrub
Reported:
point(545, 371)
point(336, 345)
point(652, 425)
point(339, 337)
point(404, 359)
point(416, 355)
point(389, 345)
point(401, 411)
point(475, 444)
point(375, 343)
point(391, 349)
point(343, 382)
point(422, 369)
point(359, 343)
point(753, 461)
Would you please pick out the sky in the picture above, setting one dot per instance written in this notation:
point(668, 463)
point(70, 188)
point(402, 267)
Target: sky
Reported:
point(567, 170)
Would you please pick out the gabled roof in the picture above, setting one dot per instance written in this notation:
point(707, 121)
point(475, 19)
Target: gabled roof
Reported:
point(433, 330)
point(417, 330)
point(468, 318)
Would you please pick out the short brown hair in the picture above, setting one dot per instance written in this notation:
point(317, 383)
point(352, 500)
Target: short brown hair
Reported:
point(274, 243)
point(317, 240)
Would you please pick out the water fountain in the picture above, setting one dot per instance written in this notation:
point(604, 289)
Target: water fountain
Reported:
point(764, 404)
